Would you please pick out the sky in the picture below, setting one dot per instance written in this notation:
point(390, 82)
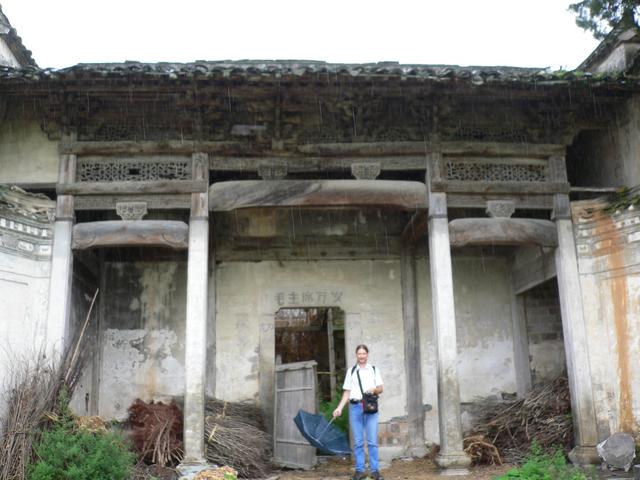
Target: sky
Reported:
point(526, 33)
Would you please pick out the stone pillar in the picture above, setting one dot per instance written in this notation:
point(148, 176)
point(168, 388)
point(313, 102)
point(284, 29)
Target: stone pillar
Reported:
point(451, 459)
point(413, 360)
point(575, 337)
point(59, 306)
point(196, 320)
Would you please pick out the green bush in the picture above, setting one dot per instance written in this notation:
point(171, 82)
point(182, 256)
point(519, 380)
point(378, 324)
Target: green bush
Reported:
point(544, 466)
point(327, 408)
point(67, 452)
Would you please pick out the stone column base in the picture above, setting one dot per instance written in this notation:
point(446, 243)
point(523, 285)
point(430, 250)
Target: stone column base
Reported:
point(188, 470)
point(454, 463)
point(584, 455)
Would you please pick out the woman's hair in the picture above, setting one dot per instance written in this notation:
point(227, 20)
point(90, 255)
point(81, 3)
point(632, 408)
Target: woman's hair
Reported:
point(363, 347)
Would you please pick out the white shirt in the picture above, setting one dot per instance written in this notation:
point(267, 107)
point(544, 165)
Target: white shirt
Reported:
point(369, 377)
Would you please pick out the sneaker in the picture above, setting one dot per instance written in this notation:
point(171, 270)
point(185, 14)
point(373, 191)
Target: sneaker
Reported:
point(376, 475)
point(358, 476)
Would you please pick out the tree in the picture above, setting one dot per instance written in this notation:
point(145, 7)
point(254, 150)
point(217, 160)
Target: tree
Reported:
point(600, 16)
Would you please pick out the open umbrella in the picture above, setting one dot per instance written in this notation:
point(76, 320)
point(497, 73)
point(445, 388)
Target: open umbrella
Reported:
point(321, 434)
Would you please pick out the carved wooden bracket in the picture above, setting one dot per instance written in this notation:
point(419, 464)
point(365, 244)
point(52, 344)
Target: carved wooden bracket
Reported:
point(365, 170)
point(131, 210)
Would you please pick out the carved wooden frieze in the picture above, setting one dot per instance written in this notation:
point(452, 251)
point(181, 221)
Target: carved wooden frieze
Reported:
point(485, 171)
point(118, 170)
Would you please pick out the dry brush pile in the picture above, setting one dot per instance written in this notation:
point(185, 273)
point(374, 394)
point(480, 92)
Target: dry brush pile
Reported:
point(235, 436)
point(506, 430)
point(31, 391)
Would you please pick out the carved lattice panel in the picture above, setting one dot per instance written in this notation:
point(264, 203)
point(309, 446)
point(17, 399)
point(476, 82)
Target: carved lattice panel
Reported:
point(118, 170)
point(469, 171)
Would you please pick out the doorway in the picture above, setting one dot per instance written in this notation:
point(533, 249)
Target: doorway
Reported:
point(313, 333)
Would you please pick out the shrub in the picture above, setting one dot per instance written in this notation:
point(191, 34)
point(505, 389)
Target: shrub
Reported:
point(327, 408)
point(67, 452)
point(539, 465)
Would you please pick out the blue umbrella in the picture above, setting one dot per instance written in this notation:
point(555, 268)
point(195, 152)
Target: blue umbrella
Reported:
point(321, 434)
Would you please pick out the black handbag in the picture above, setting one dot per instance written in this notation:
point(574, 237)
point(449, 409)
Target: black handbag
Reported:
point(369, 400)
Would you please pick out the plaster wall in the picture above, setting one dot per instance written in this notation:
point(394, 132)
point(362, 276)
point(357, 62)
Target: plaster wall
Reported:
point(24, 289)
point(142, 334)
point(7, 58)
point(484, 332)
point(26, 154)
point(609, 264)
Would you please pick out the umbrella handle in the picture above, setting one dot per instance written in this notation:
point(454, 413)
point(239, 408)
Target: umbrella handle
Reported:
point(325, 429)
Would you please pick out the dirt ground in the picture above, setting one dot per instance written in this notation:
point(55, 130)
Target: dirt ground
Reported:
point(413, 469)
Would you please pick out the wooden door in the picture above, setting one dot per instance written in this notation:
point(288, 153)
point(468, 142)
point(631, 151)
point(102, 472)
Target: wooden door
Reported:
point(296, 386)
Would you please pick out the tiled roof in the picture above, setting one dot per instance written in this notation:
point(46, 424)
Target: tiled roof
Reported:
point(283, 69)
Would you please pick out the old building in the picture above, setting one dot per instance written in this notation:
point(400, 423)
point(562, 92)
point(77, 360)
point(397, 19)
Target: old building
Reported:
point(443, 215)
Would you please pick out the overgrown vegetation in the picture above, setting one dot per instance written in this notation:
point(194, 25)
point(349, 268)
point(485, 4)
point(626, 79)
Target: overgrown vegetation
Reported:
point(327, 408)
point(539, 465)
point(69, 452)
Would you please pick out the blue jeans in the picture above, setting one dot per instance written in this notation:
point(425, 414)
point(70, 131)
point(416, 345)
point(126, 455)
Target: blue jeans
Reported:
point(364, 425)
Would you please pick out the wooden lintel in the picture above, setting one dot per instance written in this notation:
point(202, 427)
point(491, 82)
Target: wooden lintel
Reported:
point(502, 231)
point(415, 229)
point(516, 188)
point(132, 187)
point(117, 233)
point(479, 200)
point(391, 194)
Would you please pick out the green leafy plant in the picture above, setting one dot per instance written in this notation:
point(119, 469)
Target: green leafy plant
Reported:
point(540, 465)
point(68, 452)
point(327, 408)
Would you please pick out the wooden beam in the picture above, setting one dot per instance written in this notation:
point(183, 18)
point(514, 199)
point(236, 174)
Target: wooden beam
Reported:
point(368, 149)
point(502, 231)
point(391, 194)
point(518, 188)
point(171, 147)
point(116, 233)
point(297, 163)
point(132, 187)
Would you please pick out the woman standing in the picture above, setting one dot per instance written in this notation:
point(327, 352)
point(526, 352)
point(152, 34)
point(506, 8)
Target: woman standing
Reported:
point(362, 378)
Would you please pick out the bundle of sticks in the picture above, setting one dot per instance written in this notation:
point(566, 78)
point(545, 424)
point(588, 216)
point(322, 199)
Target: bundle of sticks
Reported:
point(157, 432)
point(30, 393)
point(542, 416)
point(234, 436)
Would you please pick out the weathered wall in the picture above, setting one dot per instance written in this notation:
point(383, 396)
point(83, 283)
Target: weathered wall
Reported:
point(609, 263)
point(7, 58)
point(609, 158)
point(25, 249)
point(26, 154)
point(143, 329)
point(544, 332)
point(484, 330)
point(142, 333)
